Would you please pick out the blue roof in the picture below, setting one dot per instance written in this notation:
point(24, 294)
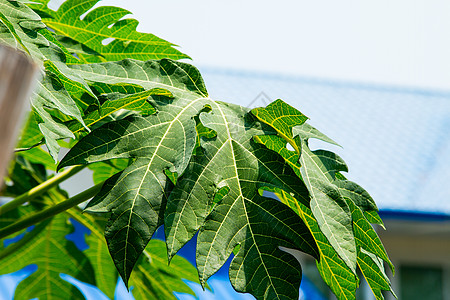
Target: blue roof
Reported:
point(396, 141)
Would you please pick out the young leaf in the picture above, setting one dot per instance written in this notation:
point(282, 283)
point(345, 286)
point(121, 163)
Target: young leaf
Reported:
point(100, 25)
point(52, 95)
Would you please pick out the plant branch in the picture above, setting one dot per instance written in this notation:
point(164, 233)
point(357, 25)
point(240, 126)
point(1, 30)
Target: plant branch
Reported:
point(50, 212)
point(40, 189)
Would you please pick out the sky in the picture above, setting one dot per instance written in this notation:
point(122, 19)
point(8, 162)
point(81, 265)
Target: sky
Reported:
point(401, 43)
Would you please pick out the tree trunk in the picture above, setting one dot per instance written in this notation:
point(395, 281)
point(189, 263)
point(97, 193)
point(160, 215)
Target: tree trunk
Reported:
point(17, 77)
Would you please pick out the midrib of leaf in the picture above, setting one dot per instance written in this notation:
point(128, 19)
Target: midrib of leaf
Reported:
point(89, 76)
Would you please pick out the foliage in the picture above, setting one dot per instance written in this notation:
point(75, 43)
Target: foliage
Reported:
point(167, 154)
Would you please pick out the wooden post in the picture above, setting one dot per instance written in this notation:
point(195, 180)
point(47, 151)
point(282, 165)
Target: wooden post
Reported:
point(17, 79)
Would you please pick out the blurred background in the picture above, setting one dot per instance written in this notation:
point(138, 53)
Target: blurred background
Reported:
point(373, 75)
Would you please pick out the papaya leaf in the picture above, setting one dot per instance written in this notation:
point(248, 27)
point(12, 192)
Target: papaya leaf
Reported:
point(153, 278)
point(105, 169)
point(103, 24)
point(373, 217)
point(373, 270)
point(328, 206)
point(365, 235)
point(52, 95)
point(336, 274)
point(39, 156)
point(19, 26)
point(306, 131)
point(104, 272)
point(164, 140)
point(241, 216)
point(60, 87)
point(278, 144)
point(116, 102)
point(320, 170)
point(282, 117)
point(47, 246)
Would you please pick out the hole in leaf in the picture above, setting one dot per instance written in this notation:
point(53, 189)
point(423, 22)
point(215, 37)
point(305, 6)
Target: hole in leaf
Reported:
point(289, 147)
point(218, 196)
point(173, 176)
point(236, 249)
point(17, 238)
point(78, 235)
point(55, 4)
point(107, 41)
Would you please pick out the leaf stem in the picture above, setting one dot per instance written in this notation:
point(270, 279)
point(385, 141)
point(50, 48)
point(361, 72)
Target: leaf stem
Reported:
point(40, 189)
point(50, 212)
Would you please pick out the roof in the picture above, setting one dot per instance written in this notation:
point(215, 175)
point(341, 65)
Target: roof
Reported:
point(396, 141)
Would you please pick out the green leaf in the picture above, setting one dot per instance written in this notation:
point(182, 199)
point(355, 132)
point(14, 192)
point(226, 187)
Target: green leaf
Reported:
point(349, 206)
point(278, 144)
point(100, 24)
point(52, 95)
point(153, 278)
point(104, 271)
point(19, 26)
point(39, 156)
point(357, 194)
point(306, 131)
point(135, 102)
point(72, 82)
point(175, 76)
point(44, 249)
point(373, 270)
point(104, 170)
point(164, 140)
point(373, 217)
point(283, 118)
point(334, 271)
point(242, 216)
point(365, 235)
point(328, 206)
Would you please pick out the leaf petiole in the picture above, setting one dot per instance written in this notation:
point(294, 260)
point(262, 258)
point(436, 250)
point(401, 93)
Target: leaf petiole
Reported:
point(40, 189)
point(50, 212)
